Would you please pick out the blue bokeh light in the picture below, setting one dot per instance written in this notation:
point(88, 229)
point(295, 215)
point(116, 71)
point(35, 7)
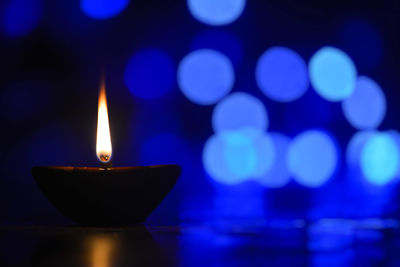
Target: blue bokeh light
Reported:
point(239, 153)
point(355, 146)
point(229, 158)
point(396, 137)
point(278, 174)
point(216, 12)
point(273, 69)
point(205, 76)
point(332, 74)
point(103, 9)
point(380, 159)
point(232, 157)
point(395, 134)
point(312, 158)
point(265, 151)
point(240, 111)
point(366, 107)
point(20, 17)
point(150, 73)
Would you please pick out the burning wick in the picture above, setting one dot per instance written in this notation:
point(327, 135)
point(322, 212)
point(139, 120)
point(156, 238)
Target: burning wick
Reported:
point(103, 140)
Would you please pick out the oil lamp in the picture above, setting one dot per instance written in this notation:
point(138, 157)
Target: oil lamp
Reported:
point(106, 195)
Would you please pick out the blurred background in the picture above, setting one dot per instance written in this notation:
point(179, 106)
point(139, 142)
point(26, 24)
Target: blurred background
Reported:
point(276, 110)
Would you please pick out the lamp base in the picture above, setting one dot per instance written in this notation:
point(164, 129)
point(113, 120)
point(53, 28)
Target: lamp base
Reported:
point(122, 196)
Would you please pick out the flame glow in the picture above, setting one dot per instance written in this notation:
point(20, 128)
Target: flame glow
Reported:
point(103, 141)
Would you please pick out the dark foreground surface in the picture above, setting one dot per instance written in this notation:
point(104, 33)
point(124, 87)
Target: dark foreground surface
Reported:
point(328, 242)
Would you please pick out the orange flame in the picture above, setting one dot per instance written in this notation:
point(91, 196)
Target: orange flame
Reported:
point(103, 141)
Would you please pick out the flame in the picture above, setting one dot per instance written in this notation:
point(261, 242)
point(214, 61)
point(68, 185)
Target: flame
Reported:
point(103, 141)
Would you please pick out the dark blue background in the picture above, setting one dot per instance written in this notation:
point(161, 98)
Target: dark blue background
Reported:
point(49, 84)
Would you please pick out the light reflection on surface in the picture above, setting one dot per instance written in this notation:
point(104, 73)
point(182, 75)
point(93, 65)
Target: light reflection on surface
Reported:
point(211, 243)
point(101, 249)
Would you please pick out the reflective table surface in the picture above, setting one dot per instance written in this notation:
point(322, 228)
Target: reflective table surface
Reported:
point(328, 242)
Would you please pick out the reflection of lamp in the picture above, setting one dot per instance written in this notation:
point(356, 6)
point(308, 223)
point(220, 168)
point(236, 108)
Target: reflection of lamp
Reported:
point(102, 249)
point(106, 196)
point(94, 247)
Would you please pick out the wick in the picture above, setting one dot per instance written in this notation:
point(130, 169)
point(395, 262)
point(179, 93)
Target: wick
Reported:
point(105, 162)
point(105, 165)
